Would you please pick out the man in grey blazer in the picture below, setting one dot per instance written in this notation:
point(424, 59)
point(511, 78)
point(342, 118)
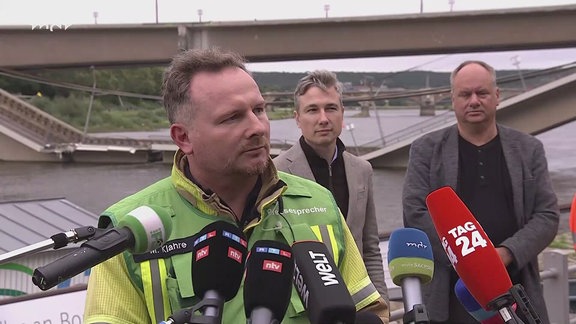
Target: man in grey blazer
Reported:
point(500, 174)
point(320, 155)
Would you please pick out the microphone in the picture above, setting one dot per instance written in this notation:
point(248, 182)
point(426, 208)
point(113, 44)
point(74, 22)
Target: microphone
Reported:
point(268, 282)
point(473, 308)
point(470, 250)
point(468, 247)
point(218, 257)
point(143, 229)
point(55, 242)
point(320, 285)
point(411, 263)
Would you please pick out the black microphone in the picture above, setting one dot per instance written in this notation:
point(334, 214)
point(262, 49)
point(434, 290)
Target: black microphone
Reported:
point(320, 285)
point(218, 258)
point(143, 229)
point(268, 282)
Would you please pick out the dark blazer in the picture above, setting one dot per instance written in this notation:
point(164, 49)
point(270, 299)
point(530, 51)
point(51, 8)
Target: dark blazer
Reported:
point(361, 218)
point(433, 163)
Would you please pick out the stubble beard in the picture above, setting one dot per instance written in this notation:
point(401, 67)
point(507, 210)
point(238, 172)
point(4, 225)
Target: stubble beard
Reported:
point(257, 168)
point(252, 169)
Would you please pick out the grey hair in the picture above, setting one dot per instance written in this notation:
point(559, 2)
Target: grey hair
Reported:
point(483, 64)
point(176, 93)
point(322, 79)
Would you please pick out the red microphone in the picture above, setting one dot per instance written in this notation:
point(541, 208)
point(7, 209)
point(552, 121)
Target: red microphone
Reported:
point(468, 247)
point(573, 221)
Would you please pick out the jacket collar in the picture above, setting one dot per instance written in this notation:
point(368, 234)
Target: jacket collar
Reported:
point(311, 155)
point(208, 201)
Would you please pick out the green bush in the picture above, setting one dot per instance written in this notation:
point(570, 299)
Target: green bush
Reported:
point(105, 115)
point(109, 116)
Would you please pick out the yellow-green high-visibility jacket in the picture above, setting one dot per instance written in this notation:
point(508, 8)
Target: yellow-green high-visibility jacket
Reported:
point(148, 288)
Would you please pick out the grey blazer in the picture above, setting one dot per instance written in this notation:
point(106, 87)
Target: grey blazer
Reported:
point(433, 163)
point(361, 217)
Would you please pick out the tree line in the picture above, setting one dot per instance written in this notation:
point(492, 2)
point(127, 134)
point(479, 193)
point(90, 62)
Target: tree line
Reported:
point(57, 92)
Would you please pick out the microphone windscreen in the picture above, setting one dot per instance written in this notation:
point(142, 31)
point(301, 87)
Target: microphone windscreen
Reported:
point(268, 281)
point(151, 226)
point(573, 221)
point(320, 286)
point(144, 228)
point(473, 308)
point(470, 304)
point(410, 255)
point(218, 257)
point(467, 246)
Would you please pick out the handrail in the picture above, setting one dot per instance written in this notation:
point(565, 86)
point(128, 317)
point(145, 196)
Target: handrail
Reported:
point(418, 128)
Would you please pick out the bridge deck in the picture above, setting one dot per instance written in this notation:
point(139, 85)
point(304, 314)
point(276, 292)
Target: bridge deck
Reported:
point(289, 40)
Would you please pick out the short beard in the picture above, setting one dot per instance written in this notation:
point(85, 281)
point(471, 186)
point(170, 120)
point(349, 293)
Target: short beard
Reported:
point(252, 170)
point(258, 168)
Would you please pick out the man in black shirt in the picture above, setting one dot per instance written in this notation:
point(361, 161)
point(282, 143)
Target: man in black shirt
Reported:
point(499, 173)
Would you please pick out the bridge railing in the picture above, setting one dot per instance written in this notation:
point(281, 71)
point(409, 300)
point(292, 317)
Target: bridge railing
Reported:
point(409, 132)
point(34, 123)
point(51, 132)
point(137, 144)
point(554, 276)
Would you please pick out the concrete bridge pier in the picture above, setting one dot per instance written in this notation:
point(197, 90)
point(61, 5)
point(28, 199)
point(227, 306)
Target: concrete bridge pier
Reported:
point(427, 106)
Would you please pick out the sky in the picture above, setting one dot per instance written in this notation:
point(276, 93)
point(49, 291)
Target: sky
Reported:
point(75, 12)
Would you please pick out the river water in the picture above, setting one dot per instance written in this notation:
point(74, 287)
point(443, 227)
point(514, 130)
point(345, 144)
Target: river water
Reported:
point(96, 186)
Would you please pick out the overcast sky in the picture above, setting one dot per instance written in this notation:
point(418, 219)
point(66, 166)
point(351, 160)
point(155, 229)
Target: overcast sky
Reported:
point(74, 12)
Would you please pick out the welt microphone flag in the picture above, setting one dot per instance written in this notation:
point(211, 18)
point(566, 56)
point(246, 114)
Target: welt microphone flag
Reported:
point(467, 246)
point(320, 285)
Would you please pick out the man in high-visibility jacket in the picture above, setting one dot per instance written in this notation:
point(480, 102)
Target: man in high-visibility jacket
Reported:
point(222, 171)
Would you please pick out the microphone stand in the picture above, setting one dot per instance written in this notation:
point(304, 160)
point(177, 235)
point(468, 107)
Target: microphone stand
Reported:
point(417, 315)
point(211, 305)
point(503, 304)
point(525, 305)
point(412, 296)
point(56, 241)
